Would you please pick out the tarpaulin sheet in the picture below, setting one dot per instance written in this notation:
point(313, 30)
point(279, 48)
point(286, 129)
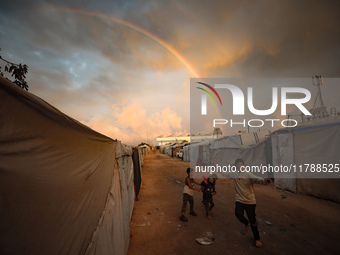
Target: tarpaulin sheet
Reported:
point(283, 154)
point(231, 142)
point(125, 165)
point(56, 179)
point(137, 171)
point(319, 146)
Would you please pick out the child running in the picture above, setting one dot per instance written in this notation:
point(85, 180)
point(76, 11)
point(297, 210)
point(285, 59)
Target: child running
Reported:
point(245, 198)
point(188, 193)
point(208, 188)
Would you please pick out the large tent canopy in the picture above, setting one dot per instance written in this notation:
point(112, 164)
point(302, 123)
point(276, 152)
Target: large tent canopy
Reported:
point(60, 187)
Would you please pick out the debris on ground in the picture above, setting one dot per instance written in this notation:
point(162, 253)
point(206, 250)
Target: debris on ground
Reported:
point(206, 240)
point(146, 218)
point(141, 225)
point(268, 223)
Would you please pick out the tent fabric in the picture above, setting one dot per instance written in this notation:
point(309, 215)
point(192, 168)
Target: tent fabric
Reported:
point(248, 139)
point(225, 151)
point(317, 123)
point(137, 171)
point(322, 188)
point(108, 237)
point(174, 152)
point(113, 232)
point(253, 138)
point(252, 156)
point(125, 165)
point(232, 142)
point(123, 150)
point(283, 154)
point(169, 149)
point(195, 152)
point(262, 135)
point(186, 153)
point(55, 177)
point(319, 146)
point(59, 181)
point(143, 150)
point(315, 144)
point(225, 157)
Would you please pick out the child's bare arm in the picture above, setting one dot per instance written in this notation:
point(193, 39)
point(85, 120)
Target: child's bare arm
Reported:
point(196, 182)
point(189, 184)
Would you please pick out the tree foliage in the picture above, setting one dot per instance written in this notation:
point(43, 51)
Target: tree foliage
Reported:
point(17, 71)
point(142, 143)
point(217, 131)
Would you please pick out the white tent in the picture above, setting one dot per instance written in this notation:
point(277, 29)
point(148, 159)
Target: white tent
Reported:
point(60, 190)
point(318, 143)
point(125, 163)
point(144, 150)
point(197, 157)
point(224, 151)
point(283, 154)
point(186, 153)
point(228, 153)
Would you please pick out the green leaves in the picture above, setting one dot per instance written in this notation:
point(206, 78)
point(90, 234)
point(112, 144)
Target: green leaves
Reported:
point(18, 71)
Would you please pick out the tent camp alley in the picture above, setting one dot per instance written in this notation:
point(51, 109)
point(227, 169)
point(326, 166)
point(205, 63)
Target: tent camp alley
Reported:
point(289, 223)
point(67, 189)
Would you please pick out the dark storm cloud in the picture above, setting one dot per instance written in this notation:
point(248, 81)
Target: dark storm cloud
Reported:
point(299, 36)
point(84, 64)
point(259, 37)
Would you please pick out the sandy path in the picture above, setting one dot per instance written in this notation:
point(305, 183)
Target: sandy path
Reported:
point(300, 224)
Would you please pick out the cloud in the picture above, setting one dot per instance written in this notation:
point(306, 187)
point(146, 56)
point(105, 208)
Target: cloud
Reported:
point(84, 64)
point(255, 37)
point(132, 124)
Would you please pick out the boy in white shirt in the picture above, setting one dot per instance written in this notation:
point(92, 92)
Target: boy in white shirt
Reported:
point(188, 193)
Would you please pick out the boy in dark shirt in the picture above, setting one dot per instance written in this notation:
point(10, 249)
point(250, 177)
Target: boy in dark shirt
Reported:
point(208, 188)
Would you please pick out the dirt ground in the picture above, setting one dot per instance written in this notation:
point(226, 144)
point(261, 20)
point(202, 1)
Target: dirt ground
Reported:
point(300, 224)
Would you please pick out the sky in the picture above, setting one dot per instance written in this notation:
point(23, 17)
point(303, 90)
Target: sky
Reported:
point(123, 68)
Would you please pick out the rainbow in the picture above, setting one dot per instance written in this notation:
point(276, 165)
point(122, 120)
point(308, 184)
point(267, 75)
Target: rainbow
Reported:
point(133, 27)
point(212, 89)
point(208, 94)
